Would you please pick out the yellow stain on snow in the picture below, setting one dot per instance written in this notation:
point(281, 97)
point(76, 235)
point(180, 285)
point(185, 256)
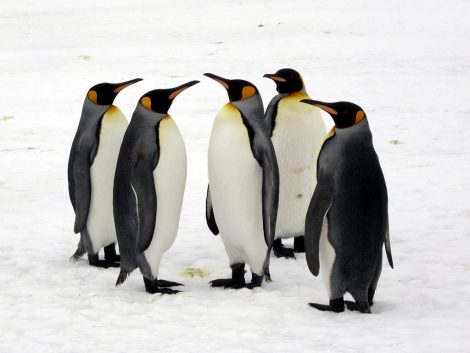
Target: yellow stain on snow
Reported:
point(192, 272)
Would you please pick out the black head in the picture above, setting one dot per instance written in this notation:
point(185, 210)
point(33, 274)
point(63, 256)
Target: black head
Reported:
point(237, 89)
point(105, 93)
point(345, 114)
point(287, 81)
point(159, 100)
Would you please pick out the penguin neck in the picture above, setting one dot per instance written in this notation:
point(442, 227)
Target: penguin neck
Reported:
point(92, 113)
point(146, 117)
point(251, 108)
point(362, 128)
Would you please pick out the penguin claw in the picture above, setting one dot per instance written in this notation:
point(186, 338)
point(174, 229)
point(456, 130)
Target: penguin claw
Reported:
point(163, 291)
point(227, 283)
point(284, 252)
point(350, 305)
point(324, 307)
point(353, 306)
point(163, 283)
point(239, 285)
point(281, 251)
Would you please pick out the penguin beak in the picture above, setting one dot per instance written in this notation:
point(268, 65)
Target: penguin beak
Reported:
point(223, 81)
point(275, 78)
point(322, 105)
point(122, 85)
point(179, 89)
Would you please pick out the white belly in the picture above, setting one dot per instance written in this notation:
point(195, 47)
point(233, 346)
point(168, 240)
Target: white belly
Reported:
point(297, 135)
point(235, 180)
point(100, 222)
point(327, 257)
point(170, 181)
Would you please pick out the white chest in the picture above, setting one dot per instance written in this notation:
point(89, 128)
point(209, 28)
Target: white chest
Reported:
point(100, 221)
point(297, 135)
point(235, 177)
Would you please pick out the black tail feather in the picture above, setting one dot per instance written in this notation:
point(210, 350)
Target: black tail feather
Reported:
point(123, 274)
point(79, 252)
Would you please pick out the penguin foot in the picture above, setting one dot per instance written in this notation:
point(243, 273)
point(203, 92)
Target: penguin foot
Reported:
point(361, 307)
point(299, 244)
point(153, 287)
point(94, 260)
point(163, 283)
point(255, 281)
point(281, 251)
point(110, 253)
point(336, 306)
point(228, 283)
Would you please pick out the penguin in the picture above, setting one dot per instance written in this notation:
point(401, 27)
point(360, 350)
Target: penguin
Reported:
point(347, 220)
point(148, 188)
point(243, 192)
point(296, 131)
point(91, 168)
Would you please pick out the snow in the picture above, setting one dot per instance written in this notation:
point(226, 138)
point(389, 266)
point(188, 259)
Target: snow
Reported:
point(406, 63)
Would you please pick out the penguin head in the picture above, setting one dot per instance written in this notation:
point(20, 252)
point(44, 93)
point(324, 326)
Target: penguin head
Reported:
point(105, 93)
point(287, 81)
point(344, 114)
point(237, 90)
point(159, 100)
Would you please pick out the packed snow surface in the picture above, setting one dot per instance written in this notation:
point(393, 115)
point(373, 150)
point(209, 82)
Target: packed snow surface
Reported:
point(405, 62)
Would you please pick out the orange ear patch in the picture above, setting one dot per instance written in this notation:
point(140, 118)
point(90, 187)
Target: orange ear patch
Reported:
point(146, 102)
point(359, 116)
point(247, 92)
point(93, 96)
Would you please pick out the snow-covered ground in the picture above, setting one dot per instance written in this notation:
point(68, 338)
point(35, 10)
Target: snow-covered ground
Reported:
point(406, 63)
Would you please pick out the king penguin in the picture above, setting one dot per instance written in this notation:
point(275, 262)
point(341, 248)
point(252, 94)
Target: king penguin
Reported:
point(243, 192)
point(296, 131)
point(91, 168)
point(347, 220)
point(148, 188)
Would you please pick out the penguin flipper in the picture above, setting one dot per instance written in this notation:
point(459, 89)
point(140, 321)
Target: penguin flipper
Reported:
point(321, 202)
point(270, 192)
point(271, 112)
point(144, 188)
point(82, 192)
point(388, 248)
point(210, 219)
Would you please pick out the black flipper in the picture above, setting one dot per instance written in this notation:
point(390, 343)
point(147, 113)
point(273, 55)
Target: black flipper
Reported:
point(322, 200)
point(210, 214)
point(388, 248)
point(144, 187)
point(270, 194)
point(81, 176)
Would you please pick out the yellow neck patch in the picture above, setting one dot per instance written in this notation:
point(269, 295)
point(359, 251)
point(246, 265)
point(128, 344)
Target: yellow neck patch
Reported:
point(93, 96)
point(248, 92)
point(146, 102)
point(359, 117)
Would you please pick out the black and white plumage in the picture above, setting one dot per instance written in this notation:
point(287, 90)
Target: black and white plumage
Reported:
point(91, 168)
point(243, 190)
point(347, 220)
point(149, 187)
